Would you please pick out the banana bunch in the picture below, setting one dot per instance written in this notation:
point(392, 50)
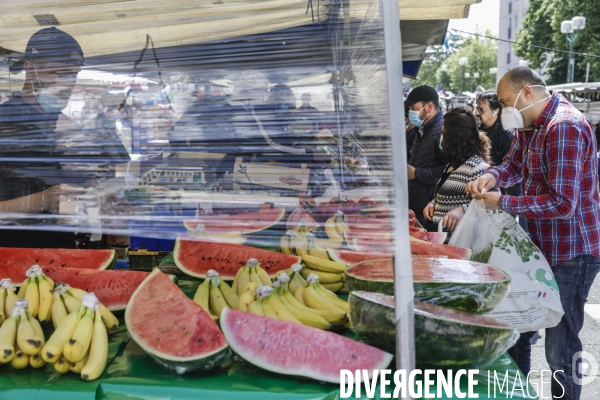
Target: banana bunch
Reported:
point(80, 343)
point(67, 299)
point(294, 244)
point(269, 305)
point(8, 298)
point(315, 317)
point(214, 294)
point(251, 272)
point(37, 290)
point(332, 274)
point(296, 279)
point(21, 338)
point(335, 228)
point(316, 296)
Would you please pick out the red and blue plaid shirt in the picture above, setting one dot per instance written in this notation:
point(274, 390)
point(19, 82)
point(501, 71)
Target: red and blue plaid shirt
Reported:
point(557, 166)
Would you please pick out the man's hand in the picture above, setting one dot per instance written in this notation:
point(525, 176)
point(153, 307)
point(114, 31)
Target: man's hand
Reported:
point(428, 211)
point(452, 218)
point(491, 200)
point(481, 185)
point(411, 171)
point(113, 205)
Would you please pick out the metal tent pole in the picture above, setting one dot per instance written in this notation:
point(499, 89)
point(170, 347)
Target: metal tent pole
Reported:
point(403, 280)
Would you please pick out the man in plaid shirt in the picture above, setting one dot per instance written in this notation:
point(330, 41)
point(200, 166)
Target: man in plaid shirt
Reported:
point(554, 158)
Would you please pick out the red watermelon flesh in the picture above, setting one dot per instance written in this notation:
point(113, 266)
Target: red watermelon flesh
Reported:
point(196, 258)
point(358, 223)
point(292, 349)
point(173, 329)
point(433, 249)
point(243, 222)
point(349, 257)
point(112, 287)
point(14, 262)
point(298, 214)
point(413, 229)
point(432, 237)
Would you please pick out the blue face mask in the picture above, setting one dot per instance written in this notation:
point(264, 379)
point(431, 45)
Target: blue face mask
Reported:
point(413, 117)
point(48, 100)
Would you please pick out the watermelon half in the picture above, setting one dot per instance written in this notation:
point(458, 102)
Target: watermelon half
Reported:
point(243, 223)
point(14, 262)
point(196, 257)
point(293, 349)
point(113, 288)
point(458, 284)
point(431, 237)
point(171, 328)
point(444, 338)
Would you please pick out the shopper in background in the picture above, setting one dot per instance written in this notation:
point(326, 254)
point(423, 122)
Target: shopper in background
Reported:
point(411, 133)
point(488, 113)
point(470, 108)
point(466, 151)
point(555, 156)
point(426, 162)
point(306, 99)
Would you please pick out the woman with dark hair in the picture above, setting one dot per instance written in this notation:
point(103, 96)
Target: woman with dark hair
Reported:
point(466, 151)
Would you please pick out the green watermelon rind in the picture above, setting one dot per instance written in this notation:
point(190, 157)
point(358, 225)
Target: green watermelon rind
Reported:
point(439, 342)
point(469, 297)
point(179, 364)
point(191, 273)
point(280, 216)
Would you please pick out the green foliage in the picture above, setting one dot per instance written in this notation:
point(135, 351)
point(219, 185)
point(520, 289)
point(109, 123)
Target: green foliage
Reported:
point(541, 27)
point(482, 54)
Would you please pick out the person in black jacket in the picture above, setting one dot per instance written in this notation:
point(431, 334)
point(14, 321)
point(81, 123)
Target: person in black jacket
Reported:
point(426, 162)
point(488, 113)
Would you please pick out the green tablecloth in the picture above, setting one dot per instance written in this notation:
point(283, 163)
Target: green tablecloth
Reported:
point(133, 375)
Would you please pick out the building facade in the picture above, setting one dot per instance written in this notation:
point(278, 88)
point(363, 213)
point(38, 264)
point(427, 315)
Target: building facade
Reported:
point(512, 13)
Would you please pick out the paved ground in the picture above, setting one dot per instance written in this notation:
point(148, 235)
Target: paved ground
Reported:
point(590, 336)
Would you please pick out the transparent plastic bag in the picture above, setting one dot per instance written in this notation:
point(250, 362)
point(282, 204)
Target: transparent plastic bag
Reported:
point(474, 232)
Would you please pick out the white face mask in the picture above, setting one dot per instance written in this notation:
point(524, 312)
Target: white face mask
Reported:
point(49, 101)
point(512, 118)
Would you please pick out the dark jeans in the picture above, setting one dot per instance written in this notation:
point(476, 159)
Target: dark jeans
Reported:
point(574, 278)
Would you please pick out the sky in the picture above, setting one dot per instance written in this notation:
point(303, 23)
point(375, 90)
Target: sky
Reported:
point(482, 15)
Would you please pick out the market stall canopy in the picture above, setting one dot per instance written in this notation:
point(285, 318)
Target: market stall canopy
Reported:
point(116, 26)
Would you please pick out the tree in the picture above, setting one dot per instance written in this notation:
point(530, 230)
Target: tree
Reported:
point(482, 54)
point(541, 27)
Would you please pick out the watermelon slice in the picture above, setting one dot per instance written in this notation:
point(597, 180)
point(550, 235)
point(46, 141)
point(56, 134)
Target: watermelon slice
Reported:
point(113, 288)
point(418, 250)
point(440, 332)
point(458, 284)
point(293, 349)
point(16, 261)
point(431, 237)
point(243, 223)
point(195, 258)
point(434, 250)
point(174, 330)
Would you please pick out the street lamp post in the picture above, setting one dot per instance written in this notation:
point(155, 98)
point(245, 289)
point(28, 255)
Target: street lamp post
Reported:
point(571, 28)
point(467, 75)
point(444, 69)
point(463, 61)
point(476, 76)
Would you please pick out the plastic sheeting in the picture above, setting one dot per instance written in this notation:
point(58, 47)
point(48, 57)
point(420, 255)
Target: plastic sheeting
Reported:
point(162, 131)
point(444, 338)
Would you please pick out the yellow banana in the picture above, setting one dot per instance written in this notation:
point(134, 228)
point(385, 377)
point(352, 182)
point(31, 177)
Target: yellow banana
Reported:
point(8, 335)
point(53, 349)
point(306, 318)
point(280, 309)
point(264, 277)
point(331, 231)
point(256, 307)
point(78, 366)
point(299, 295)
point(9, 301)
point(314, 250)
point(202, 295)
point(250, 286)
point(284, 243)
point(46, 299)
point(340, 224)
point(244, 278)
point(245, 300)
point(334, 287)
point(20, 360)
point(109, 319)
point(79, 343)
point(217, 301)
point(98, 351)
point(331, 297)
point(298, 245)
point(314, 300)
point(326, 277)
point(230, 297)
point(296, 279)
point(267, 309)
point(27, 340)
point(37, 328)
point(3, 315)
point(72, 304)
point(62, 365)
point(36, 361)
point(331, 316)
point(32, 295)
point(59, 312)
point(23, 288)
point(324, 265)
point(254, 277)
point(236, 280)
